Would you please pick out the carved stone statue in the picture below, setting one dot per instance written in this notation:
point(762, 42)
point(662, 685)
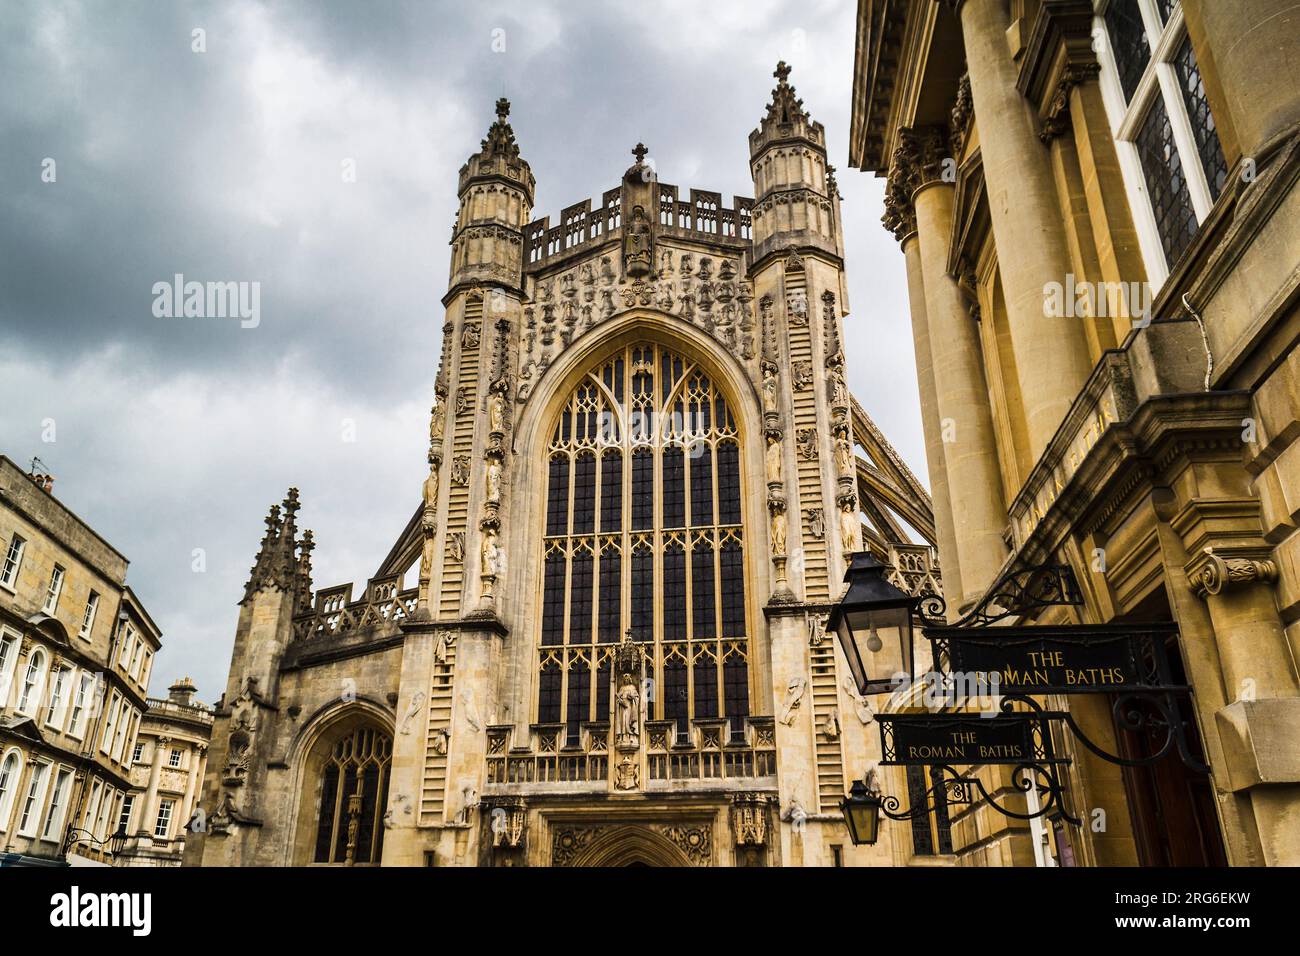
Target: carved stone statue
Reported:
point(794, 692)
point(629, 713)
point(849, 524)
point(769, 388)
point(861, 705)
point(843, 453)
point(437, 422)
point(456, 544)
point(438, 740)
point(636, 246)
point(431, 486)
point(469, 339)
point(490, 553)
point(816, 523)
point(773, 456)
point(780, 529)
point(412, 710)
point(831, 724)
point(497, 413)
point(493, 480)
point(839, 389)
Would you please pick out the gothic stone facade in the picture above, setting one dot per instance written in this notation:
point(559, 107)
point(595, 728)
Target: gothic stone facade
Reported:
point(645, 473)
point(1037, 150)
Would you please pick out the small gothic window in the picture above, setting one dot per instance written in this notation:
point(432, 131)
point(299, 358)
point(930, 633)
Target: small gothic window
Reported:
point(354, 795)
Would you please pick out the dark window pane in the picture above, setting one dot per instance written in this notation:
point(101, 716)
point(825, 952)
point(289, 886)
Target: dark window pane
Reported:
point(1198, 111)
point(674, 591)
point(611, 491)
point(702, 486)
point(676, 701)
point(942, 824)
point(557, 496)
point(731, 565)
point(579, 699)
point(580, 598)
point(643, 599)
point(674, 488)
point(328, 798)
point(584, 494)
point(922, 839)
point(603, 678)
point(366, 822)
point(706, 687)
point(702, 605)
point(611, 591)
point(1166, 8)
point(735, 680)
point(548, 694)
point(553, 600)
point(643, 474)
point(1128, 40)
point(728, 483)
point(1166, 183)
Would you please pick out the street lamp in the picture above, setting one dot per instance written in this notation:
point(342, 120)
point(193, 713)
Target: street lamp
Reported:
point(114, 843)
point(862, 814)
point(873, 622)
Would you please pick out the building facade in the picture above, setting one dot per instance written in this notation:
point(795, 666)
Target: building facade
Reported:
point(76, 649)
point(1096, 203)
point(645, 473)
point(167, 766)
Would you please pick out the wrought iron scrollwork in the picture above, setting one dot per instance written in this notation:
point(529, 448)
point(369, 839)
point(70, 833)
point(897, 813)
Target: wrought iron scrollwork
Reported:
point(959, 790)
point(1022, 592)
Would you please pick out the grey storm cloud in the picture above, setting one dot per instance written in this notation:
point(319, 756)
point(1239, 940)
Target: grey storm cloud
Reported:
point(172, 436)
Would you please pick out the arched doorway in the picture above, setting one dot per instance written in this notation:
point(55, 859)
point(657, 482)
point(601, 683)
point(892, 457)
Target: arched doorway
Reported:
point(630, 846)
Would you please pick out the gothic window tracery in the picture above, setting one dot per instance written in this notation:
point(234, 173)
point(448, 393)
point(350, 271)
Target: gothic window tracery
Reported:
point(643, 531)
point(354, 793)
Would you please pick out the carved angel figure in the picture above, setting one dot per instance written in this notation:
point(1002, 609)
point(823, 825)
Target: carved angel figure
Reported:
point(794, 692)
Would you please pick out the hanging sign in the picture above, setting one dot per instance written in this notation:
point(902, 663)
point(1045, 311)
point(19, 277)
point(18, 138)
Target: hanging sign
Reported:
point(1065, 659)
point(929, 739)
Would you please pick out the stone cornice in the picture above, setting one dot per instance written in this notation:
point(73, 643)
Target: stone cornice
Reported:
point(1211, 571)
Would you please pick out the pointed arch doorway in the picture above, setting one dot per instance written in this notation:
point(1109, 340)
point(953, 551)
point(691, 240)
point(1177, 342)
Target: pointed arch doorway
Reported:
point(630, 845)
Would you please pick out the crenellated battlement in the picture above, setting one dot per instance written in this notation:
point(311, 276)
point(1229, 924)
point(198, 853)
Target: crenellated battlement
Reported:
point(581, 228)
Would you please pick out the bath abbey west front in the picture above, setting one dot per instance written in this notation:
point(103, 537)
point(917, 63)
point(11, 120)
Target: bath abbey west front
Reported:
point(645, 474)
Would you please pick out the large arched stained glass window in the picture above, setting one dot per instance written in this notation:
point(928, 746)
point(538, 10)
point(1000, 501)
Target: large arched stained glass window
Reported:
point(643, 531)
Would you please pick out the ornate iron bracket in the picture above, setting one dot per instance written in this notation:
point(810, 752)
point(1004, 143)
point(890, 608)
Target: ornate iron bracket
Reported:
point(958, 790)
point(1020, 592)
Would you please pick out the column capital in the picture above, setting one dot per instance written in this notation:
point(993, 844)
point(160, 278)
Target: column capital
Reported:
point(1211, 572)
point(1056, 117)
point(963, 113)
point(922, 157)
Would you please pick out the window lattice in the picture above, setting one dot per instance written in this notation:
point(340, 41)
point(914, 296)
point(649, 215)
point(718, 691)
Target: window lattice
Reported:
point(1202, 121)
point(354, 794)
point(1171, 202)
point(647, 435)
point(1128, 40)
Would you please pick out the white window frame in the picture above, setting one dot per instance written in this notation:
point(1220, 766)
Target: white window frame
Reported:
point(124, 731)
point(137, 753)
point(31, 691)
point(174, 758)
point(88, 615)
point(124, 649)
point(8, 796)
point(105, 812)
point(13, 562)
point(115, 702)
point(55, 589)
point(11, 644)
point(164, 821)
point(1158, 79)
point(124, 815)
point(29, 818)
point(56, 711)
point(58, 807)
point(133, 667)
point(85, 683)
point(146, 664)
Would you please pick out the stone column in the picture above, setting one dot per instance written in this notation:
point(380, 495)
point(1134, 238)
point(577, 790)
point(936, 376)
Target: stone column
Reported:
point(961, 393)
point(1051, 354)
point(192, 784)
point(1255, 45)
point(150, 814)
point(939, 491)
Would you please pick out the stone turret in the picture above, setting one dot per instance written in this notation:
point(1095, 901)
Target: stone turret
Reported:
point(795, 198)
point(496, 198)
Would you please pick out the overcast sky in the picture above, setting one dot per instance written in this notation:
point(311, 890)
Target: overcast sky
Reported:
point(175, 434)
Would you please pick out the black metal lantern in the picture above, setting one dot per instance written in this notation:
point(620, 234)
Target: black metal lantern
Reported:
point(873, 622)
point(862, 814)
point(117, 841)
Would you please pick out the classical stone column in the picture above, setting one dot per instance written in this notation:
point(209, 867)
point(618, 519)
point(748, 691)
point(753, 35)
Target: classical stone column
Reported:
point(961, 393)
point(150, 813)
point(1255, 45)
point(900, 218)
point(1051, 354)
point(192, 784)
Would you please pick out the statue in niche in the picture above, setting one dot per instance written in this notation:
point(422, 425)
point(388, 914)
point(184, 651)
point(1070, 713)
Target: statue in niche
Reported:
point(843, 453)
point(497, 412)
point(437, 422)
point(462, 401)
point(780, 528)
point(431, 485)
point(490, 553)
point(494, 481)
point(773, 456)
point(470, 338)
point(627, 697)
point(807, 442)
point(848, 524)
point(769, 388)
point(441, 648)
point(794, 692)
point(839, 389)
point(636, 246)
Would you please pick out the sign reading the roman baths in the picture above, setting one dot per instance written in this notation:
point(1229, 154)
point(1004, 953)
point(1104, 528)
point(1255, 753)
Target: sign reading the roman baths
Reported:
point(1055, 660)
point(927, 739)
